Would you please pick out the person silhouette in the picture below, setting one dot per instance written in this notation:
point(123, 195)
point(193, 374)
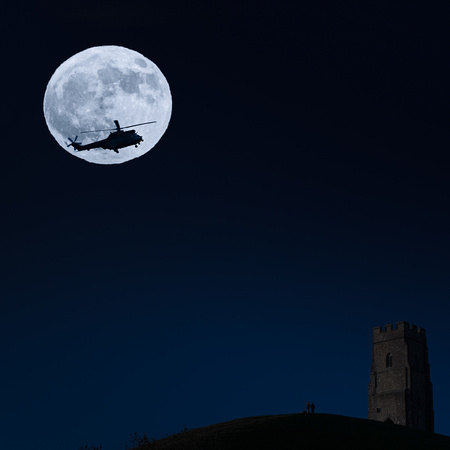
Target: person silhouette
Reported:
point(307, 406)
point(313, 407)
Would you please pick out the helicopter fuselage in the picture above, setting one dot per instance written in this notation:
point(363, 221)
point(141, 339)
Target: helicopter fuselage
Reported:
point(115, 140)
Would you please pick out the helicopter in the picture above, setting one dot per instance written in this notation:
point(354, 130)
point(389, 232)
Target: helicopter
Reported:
point(117, 139)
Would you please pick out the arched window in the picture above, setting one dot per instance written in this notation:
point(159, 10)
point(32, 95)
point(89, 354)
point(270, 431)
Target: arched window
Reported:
point(388, 360)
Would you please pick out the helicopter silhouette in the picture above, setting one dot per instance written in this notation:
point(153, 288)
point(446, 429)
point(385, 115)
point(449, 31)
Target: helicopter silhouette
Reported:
point(117, 139)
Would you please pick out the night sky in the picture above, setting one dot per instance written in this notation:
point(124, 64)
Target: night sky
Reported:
point(298, 198)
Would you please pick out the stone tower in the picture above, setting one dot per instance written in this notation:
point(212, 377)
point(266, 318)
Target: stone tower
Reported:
point(400, 390)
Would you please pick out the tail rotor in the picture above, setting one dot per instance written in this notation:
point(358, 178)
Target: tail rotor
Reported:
point(74, 143)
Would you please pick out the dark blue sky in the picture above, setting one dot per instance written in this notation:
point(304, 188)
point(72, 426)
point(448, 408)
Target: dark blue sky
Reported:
point(298, 198)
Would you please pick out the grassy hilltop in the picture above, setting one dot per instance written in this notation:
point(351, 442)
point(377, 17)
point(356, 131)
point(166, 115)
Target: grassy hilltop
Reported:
point(301, 432)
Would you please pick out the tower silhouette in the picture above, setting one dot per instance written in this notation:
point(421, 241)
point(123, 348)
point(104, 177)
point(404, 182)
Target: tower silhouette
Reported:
point(400, 390)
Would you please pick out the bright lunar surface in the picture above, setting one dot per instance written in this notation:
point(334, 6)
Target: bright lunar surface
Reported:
point(102, 84)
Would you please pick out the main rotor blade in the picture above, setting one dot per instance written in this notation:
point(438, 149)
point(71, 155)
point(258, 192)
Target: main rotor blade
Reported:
point(96, 131)
point(137, 124)
point(115, 129)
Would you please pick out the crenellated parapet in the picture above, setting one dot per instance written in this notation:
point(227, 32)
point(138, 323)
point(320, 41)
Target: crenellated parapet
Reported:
point(401, 329)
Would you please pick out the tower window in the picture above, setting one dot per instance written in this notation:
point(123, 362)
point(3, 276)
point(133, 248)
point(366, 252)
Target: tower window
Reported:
point(388, 360)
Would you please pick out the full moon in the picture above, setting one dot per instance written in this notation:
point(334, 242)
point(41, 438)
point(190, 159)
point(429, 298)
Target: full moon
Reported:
point(102, 84)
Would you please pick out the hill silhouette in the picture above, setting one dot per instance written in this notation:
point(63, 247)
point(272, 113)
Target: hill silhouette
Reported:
point(301, 432)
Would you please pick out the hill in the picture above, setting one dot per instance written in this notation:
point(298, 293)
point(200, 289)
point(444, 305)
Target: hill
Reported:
point(301, 431)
